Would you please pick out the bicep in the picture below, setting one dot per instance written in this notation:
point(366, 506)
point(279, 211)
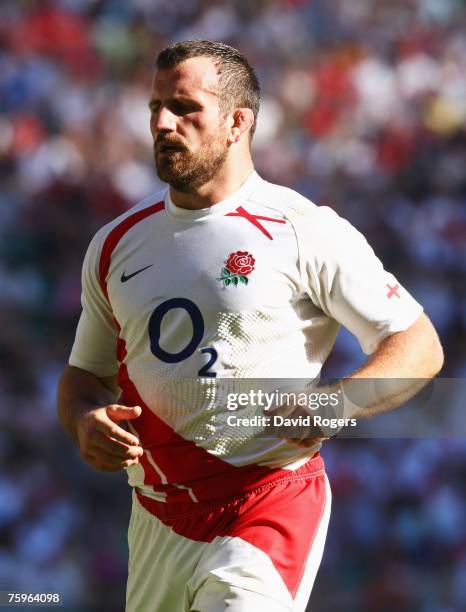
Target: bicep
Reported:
point(418, 347)
point(76, 382)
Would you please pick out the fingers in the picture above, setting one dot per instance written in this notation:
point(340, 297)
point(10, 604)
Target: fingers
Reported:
point(297, 425)
point(107, 419)
point(117, 413)
point(306, 442)
point(109, 455)
point(111, 430)
point(116, 448)
point(103, 443)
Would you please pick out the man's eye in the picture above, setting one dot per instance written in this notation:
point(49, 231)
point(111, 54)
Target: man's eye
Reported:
point(182, 109)
point(177, 108)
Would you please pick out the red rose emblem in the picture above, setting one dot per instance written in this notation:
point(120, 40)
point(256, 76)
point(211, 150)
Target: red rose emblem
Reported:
point(237, 268)
point(241, 263)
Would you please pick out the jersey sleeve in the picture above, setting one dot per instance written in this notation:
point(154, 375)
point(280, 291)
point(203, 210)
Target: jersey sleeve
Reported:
point(94, 348)
point(344, 278)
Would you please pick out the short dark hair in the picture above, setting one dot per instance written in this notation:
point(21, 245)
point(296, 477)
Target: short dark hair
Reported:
point(238, 85)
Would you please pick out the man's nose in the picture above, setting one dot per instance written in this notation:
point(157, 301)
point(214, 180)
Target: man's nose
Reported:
point(163, 121)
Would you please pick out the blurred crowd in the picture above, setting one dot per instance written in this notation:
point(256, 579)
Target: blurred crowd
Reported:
point(364, 109)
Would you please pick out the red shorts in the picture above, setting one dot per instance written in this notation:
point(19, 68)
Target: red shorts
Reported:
point(262, 548)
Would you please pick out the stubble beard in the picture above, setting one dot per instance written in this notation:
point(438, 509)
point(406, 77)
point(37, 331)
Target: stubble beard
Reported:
point(186, 171)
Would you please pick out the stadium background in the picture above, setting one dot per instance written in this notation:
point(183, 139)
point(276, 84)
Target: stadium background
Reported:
point(364, 108)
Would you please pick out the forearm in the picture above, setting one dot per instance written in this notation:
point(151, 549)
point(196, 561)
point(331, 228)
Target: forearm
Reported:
point(80, 391)
point(401, 366)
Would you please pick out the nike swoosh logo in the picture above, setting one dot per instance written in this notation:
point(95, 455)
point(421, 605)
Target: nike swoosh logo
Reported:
point(125, 277)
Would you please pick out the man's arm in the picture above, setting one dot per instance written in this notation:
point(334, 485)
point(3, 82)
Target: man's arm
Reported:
point(88, 412)
point(402, 364)
point(345, 279)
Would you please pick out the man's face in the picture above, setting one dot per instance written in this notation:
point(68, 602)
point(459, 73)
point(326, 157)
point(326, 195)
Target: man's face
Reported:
point(188, 128)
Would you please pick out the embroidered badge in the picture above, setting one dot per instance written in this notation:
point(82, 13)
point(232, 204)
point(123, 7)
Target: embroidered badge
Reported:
point(237, 268)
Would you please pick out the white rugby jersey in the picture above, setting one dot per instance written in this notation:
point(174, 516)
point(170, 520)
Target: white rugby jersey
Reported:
point(175, 301)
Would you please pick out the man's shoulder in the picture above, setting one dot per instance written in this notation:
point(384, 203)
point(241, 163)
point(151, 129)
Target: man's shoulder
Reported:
point(292, 204)
point(132, 214)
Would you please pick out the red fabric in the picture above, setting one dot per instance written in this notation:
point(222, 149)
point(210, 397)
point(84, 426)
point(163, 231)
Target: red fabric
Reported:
point(281, 518)
point(150, 473)
point(254, 219)
point(116, 235)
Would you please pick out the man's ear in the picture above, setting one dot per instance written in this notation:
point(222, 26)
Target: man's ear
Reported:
point(240, 121)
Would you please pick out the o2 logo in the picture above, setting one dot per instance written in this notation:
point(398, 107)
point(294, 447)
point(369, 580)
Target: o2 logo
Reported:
point(155, 327)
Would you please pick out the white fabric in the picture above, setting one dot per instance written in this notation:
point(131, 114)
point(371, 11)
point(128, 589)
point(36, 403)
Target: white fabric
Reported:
point(315, 556)
point(316, 273)
point(167, 571)
point(170, 572)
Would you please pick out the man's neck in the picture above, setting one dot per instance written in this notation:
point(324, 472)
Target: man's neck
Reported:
point(221, 187)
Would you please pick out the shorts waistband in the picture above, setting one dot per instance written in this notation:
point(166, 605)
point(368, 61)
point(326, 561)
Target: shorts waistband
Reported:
point(314, 467)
